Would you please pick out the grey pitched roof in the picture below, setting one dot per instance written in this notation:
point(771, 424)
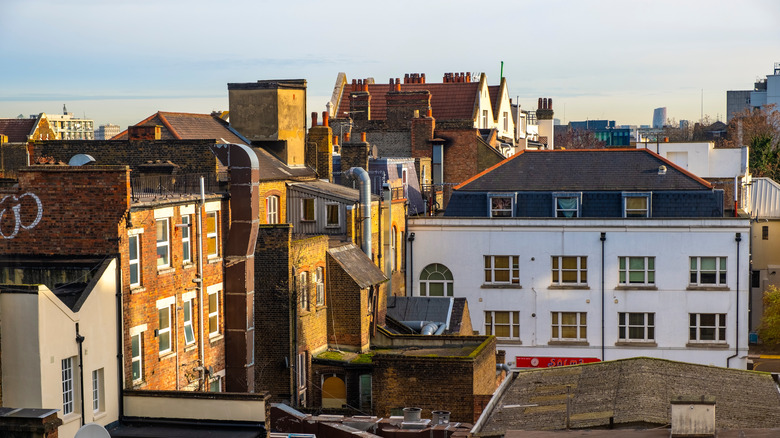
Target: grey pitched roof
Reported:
point(330, 189)
point(584, 170)
point(434, 309)
point(357, 265)
point(635, 391)
point(273, 169)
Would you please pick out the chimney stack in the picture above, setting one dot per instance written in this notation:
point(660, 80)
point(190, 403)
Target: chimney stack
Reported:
point(313, 119)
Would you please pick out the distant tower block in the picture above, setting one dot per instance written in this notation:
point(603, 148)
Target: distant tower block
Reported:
point(659, 117)
point(544, 117)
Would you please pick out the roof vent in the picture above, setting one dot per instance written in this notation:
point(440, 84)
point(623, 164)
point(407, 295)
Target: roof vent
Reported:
point(662, 170)
point(693, 416)
point(80, 160)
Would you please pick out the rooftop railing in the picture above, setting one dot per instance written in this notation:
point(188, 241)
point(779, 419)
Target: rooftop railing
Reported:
point(153, 187)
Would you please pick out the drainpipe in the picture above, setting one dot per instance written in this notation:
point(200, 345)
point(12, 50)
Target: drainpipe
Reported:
point(410, 283)
point(199, 282)
point(387, 194)
point(364, 186)
point(603, 240)
point(738, 239)
point(80, 341)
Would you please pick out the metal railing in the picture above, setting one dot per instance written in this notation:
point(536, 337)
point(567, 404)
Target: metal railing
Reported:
point(150, 187)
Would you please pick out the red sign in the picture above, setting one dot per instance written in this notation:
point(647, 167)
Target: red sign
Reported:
point(547, 362)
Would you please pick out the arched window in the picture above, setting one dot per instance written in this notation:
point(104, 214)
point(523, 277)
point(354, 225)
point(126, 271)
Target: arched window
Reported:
point(436, 281)
point(272, 209)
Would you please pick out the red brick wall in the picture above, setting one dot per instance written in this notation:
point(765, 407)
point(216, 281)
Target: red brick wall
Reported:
point(82, 210)
point(160, 371)
point(350, 321)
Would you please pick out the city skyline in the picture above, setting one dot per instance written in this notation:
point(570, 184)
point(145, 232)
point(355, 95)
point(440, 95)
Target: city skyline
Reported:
point(597, 60)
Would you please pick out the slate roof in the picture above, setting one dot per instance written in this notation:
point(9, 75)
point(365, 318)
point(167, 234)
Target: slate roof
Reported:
point(584, 170)
point(449, 101)
point(328, 189)
point(434, 309)
point(187, 126)
point(494, 91)
point(17, 130)
point(635, 391)
point(357, 265)
point(273, 169)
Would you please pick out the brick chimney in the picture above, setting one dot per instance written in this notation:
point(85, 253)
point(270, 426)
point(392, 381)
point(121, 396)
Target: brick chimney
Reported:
point(544, 117)
point(360, 103)
point(29, 423)
point(319, 148)
point(402, 104)
point(355, 153)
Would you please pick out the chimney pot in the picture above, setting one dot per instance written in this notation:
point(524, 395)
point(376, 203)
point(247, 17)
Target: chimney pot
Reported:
point(422, 78)
point(354, 84)
point(539, 106)
point(363, 137)
point(406, 78)
point(549, 103)
point(314, 119)
point(430, 112)
point(346, 137)
point(392, 81)
point(397, 84)
point(324, 118)
point(468, 77)
point(335, 140)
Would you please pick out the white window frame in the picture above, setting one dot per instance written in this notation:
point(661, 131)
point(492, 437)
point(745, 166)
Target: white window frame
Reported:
point(328, 223)
point(302, 377)
point(721, 271)
point(212, 235)
point(636, 212)
point(393, 244)
point(304, 210)
point(484, 119)
point(556, 322)
point(134, 259)
point(695, 328)
point(513, 325)
point(512, 269)
point(405, 182)
point(68, 385)
point(164, 306)
point(303, 290)
point(581, 272)
point(214, 290)
point(187, 308)
point(319, 277)
point(493, 210)
point(186, 238)
point(448, 284)
point(506, 122)
point(562, 211)
point(98, 391)
point(625, 326)
point(625, 270)
point(163, 243)
point(272, 209)
point(137, 332)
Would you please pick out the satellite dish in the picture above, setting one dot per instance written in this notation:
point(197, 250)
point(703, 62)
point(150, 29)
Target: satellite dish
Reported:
point(92, 430)
point(80, 160)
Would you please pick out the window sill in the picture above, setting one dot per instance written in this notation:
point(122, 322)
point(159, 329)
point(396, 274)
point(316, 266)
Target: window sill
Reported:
point(508, 341)
point(718, 288)
point(189, 348)
point(308, 221)
point(572, 343)
point(167, 355)
point(137, 289)
point(500, 286)
point(188, 265)
point(215, 338)
point(214, 259)
point(635, 287)
point(98, 415)
point(572, 286)
point(165, 270)
point(636, 344)
point(332, 227)
point(138, 384)
point(717, 345)
point(69, 418)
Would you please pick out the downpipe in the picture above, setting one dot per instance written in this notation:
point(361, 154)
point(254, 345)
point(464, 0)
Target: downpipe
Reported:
point(738, 239)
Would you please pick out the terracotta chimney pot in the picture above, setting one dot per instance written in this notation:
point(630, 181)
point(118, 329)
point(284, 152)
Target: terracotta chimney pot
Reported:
point(324, 118)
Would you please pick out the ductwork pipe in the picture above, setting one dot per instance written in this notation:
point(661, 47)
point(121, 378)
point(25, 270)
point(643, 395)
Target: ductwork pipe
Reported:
point(364, 186)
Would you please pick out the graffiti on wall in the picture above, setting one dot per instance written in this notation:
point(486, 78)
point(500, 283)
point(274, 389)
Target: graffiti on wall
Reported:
point(14, 205)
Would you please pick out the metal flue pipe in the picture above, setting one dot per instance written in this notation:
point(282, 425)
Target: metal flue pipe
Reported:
point(364, 186)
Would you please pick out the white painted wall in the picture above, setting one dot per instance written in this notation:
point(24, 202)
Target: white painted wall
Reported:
point(460, 244)
point(47, 334)
point(703, 160)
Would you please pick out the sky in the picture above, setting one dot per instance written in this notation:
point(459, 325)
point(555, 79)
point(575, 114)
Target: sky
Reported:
point(121, 61)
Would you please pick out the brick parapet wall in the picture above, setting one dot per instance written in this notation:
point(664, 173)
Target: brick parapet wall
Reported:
point(192, 156)
point(81, 210)
point(348, 326)
point(319, 157)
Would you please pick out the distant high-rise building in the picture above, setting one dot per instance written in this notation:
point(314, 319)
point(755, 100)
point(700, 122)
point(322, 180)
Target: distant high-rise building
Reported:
point(659, 117)
point(765, 92)
point(106, 132)
point(71, 128)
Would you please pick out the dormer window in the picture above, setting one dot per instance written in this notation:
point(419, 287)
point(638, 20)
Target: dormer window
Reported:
point(566, 204)
point(636, 205)
point(501, 205)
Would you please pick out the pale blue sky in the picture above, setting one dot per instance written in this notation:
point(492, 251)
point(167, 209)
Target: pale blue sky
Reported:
point(121, 61)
